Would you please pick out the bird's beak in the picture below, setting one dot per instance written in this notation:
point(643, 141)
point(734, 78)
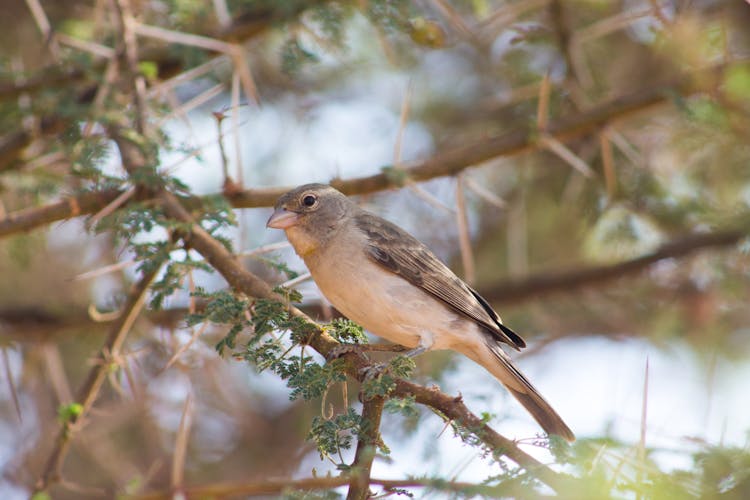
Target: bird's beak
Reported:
point(282, 219)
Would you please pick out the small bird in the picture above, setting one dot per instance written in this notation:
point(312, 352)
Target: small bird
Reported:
point(384, 279)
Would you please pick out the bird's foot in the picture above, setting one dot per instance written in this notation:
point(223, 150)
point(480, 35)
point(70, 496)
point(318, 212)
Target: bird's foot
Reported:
point(343, 349)
point(373, 371)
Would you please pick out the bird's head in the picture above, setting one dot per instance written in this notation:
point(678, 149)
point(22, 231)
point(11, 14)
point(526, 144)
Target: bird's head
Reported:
point(314, 210)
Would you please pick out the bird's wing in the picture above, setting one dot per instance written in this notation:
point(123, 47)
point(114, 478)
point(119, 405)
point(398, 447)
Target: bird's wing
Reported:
point(399, 252)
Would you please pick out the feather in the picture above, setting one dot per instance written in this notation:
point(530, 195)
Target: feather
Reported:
point(399, 252)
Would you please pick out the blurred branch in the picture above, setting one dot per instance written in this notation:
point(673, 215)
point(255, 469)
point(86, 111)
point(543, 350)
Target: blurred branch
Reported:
point(444, 163)
point(279, 486)
point(563, 281)
point(13, 144)
point(452, 161)
point(83, 204)
point(89, 391)
point(246, 26)
point(367, 445)
point(509, 291)
point(253, 21)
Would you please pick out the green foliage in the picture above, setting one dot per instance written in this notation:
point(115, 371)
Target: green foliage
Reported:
point(395, 175)
point(330, 18)
point(294, 56)
point(172, 278)
point(384, 382)
point(405, 406)
point(346, 331)
point(68, 413)
point(222, 307)
point(737, 82)
point(307, 379)
point(392, 15)
point(335, 434)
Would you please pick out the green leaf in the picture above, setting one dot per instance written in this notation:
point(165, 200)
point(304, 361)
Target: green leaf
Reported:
point(149, 69)
point(737, 82)
point(67, 413)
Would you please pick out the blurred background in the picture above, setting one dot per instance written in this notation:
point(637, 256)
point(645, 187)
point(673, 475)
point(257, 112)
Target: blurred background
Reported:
point(584, 164)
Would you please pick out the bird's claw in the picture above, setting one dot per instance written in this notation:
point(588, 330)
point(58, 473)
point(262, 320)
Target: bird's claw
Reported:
point(373, 371)
point(343, 349)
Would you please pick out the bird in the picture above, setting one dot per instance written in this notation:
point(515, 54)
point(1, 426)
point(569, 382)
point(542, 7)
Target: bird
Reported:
point(381, 277)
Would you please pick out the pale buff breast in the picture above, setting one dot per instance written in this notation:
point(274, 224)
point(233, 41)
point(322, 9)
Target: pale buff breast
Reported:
point(382, 302)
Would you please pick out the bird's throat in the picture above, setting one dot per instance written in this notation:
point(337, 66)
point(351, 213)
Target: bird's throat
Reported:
point(304, 244)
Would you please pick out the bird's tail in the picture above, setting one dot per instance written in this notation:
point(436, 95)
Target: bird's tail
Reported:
point(499, 364)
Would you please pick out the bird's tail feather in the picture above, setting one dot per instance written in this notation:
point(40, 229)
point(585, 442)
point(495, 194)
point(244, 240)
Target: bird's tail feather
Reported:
point(497, 362)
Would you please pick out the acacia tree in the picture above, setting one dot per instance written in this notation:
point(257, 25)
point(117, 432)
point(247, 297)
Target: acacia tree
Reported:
point(602, 138)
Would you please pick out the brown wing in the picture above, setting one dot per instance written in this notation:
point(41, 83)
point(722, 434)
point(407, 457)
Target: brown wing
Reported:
point(399, 252)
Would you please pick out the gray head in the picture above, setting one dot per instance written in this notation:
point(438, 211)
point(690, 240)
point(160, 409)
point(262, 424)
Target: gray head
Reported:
point(315, 209)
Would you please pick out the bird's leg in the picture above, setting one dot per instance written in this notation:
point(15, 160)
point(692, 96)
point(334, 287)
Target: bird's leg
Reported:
point(425, 343)
point(416, 351)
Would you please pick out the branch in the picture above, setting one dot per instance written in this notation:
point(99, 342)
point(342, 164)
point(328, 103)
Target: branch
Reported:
point(367, 445)
point(14, 143)
point(279, 486)
point(30, 218)
point(563, 281)
point(246, 282)
point(89, 391)
point(255, 20)
point(455, 410)
point(452, 161)
point(445, 163)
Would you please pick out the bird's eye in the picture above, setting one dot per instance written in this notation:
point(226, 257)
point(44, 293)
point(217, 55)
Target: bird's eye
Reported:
point(309, 200)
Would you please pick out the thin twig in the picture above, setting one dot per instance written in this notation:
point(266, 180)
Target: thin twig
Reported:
point(608, 163)
point(484, 193)
point(112, 268)
point(184, 347)
point(189, 39)
point(111, 207)
point(222, 13)
point(542, 109)
point(296, 281)
point(53, 363)
point(90, 388)
point(180, 445)
point(126, 23)
point(464, 238)
point(11, 383)
point(565, 154)
point(236, 129)
point(42, 22)
point(271, 247)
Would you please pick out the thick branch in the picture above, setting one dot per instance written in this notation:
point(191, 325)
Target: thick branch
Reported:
point(367, 445)
point(563, 281)
point(31, 218)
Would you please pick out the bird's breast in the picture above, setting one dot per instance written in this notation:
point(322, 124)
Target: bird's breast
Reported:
point(382, 302)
